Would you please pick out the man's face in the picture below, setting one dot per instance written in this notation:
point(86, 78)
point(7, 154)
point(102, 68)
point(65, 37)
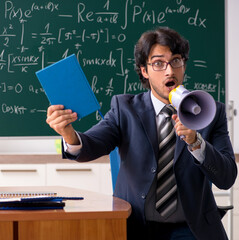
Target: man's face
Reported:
point(162, 82)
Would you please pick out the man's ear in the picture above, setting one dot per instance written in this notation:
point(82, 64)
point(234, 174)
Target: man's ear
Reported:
point(144, 72)
point(185, 65)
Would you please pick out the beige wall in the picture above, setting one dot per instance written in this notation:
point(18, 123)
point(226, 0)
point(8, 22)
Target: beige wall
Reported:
point(232, 36)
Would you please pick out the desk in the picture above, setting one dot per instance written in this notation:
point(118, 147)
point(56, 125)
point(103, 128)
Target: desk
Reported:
point(96, 217)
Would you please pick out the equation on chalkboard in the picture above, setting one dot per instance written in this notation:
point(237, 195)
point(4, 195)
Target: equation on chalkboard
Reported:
point(102, 34)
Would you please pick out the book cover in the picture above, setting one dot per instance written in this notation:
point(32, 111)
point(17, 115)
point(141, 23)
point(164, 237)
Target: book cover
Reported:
point(34, 205)
point(65, 83)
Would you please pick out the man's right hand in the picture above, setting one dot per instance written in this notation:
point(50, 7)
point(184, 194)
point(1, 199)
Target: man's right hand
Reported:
point(60, 120)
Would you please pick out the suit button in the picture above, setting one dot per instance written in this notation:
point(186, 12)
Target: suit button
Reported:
point(153, 169)
point(143, 196)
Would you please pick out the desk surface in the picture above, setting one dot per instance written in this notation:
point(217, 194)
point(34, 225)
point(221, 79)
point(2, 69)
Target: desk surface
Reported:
point(94, 205)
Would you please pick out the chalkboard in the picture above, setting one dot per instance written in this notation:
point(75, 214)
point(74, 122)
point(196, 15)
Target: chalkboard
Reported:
point(102, 34)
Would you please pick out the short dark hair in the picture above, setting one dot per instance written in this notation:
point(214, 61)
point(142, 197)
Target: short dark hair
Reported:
point(163, 36)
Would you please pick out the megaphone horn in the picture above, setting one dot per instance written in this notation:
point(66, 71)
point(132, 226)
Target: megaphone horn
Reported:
point(195, 109)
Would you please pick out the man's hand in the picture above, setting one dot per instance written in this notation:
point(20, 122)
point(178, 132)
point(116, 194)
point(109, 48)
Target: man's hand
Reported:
point(60, 120)
point(181, 130)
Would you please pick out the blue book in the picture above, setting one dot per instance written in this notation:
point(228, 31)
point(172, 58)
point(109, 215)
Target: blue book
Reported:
point(42, 205)
point(65, 83)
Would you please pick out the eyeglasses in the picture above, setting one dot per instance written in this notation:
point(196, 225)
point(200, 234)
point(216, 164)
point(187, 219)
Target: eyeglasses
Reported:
point(162, 65)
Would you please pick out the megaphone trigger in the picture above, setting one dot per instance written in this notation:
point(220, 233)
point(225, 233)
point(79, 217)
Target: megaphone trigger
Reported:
point(182, 137)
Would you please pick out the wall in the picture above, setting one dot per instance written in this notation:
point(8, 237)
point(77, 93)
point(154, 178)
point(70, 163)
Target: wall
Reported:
point(27, 146)
point(47, 146)
point(233, 63)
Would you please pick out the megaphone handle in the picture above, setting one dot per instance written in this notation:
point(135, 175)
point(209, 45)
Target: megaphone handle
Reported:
point(182, 137)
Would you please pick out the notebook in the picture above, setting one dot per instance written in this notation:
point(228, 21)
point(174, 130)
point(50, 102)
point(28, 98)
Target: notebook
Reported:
point(35, 202)
point(38, 199)
point(65, 83)
point(21, 194)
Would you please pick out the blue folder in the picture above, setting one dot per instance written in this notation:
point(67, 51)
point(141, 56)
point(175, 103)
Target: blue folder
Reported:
point(65, 83)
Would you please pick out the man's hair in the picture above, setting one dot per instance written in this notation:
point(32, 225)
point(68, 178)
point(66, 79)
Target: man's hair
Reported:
point(163, 36)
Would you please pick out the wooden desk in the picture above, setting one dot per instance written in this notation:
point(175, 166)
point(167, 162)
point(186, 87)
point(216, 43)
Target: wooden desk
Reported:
point(98, 216)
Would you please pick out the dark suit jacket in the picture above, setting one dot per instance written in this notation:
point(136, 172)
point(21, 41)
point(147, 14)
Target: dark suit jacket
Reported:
point(130, 125)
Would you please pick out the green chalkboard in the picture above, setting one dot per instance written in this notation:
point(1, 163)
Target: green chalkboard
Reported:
point(102, 34)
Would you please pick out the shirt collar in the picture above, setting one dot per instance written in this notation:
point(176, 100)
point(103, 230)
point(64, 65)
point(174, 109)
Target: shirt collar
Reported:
point(157, 104)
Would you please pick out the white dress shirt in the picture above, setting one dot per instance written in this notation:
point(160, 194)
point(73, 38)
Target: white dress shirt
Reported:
point(199, 154)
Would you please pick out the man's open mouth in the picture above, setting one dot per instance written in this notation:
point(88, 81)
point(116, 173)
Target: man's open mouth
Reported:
point(170, 83)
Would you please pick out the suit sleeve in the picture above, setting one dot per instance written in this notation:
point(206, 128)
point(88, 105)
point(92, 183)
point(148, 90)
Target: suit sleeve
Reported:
point(101, 139)
point(219, 165)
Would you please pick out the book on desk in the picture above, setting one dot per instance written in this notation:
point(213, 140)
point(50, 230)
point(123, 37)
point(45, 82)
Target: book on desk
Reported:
point(33, 200)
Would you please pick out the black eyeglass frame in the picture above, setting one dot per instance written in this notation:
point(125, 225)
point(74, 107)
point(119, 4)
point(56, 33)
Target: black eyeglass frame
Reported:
point(167, 63)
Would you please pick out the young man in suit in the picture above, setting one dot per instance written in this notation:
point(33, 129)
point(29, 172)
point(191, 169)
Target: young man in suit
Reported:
point(135, 123)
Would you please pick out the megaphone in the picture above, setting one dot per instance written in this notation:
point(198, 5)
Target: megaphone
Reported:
point(195, 109)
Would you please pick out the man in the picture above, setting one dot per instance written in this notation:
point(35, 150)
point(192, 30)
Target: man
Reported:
point(136, 124)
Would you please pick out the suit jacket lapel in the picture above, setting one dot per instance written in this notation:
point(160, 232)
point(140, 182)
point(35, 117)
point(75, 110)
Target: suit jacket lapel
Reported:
point(146, 114)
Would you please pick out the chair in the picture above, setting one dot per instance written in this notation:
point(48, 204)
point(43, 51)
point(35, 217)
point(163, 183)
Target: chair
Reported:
point(223, 209)
point(115, 165)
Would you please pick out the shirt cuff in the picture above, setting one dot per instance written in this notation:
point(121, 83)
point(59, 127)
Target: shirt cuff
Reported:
point(72, 149)
point(199, 154)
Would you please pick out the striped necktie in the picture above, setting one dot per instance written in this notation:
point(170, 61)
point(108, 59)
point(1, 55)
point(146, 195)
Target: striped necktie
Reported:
point(166, 191)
